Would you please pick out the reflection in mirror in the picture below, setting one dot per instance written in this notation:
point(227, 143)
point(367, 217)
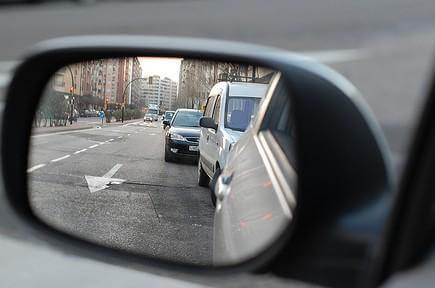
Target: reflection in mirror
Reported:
point(118, 157)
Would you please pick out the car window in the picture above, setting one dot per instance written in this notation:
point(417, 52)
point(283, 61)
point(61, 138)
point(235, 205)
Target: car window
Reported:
point(168, 115)
point(187, 119)
point(217, 109)
point(209, 106)
point(240, 111)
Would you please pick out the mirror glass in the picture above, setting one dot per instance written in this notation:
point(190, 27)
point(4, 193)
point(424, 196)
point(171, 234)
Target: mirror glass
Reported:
point(104, 167)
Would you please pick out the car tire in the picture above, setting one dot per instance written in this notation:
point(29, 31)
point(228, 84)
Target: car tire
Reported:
point(216, 174)
point(168, 157)
point(203, 179)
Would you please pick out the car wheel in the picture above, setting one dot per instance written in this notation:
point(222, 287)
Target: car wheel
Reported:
point(203, 179)
point(213, 181)
point(168, 157)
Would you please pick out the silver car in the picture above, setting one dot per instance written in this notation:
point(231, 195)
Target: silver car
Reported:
point(255, 191)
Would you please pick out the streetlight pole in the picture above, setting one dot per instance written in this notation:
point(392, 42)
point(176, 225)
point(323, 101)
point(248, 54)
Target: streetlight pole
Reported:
point(72, 96)
point(123, 95)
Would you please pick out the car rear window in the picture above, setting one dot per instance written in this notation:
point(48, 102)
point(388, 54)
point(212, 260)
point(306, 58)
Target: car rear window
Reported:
point(187, 119)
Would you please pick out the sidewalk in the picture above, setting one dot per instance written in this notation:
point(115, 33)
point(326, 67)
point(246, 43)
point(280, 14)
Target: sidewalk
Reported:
point(78, 126)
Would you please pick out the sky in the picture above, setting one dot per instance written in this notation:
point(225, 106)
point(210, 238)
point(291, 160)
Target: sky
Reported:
point(164, 67)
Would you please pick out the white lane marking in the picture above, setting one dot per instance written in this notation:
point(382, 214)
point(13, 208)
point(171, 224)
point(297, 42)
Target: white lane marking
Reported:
point(112, 171)
point(80, 151)
point(60, 158)
point(99, 183)
point(128, 134)
point(61, 133)
point(93, 146)
point(119, 137)
point(110, 140)
point(336, 56)
point(35, 168)
point(152, 134)
point(134, 123)
point(101, 143)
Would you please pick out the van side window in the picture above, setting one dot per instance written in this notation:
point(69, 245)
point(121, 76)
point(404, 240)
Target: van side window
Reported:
point(209, 107)
point(217, 109)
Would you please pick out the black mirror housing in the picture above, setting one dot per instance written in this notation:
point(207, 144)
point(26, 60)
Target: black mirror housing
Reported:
point(328, 110)
point(166, 122)
point(207, 122)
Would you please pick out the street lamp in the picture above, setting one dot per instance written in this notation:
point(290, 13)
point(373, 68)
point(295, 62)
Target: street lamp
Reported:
point(123, 95)
point(71, 90)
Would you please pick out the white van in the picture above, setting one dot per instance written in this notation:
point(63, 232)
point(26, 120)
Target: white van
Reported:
point(229, 110)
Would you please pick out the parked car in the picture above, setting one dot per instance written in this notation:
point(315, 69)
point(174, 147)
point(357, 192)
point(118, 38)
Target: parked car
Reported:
point(168, 117)
point(182, 138)
point(89, 113)
point(74, 117)
point(244, 189)
point(229, 110)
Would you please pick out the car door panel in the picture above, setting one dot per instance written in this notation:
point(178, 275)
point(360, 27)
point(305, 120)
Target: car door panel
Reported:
point(205, 138)
point(251, 209)
point(213, 141)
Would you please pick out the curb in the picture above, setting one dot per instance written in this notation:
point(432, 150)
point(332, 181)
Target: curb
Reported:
point(48, 131)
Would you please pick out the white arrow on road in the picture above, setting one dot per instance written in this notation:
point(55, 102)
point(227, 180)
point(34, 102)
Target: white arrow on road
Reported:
point(99, 183)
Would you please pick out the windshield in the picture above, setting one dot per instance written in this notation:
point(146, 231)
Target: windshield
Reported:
point(152, 111)
point(187, 119)
point(168, 115)
point(240, 111)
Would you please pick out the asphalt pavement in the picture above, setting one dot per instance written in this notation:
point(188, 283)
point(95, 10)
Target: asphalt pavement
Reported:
point(149, 206)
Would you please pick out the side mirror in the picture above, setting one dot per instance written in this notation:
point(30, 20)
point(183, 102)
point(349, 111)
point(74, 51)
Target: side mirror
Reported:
point(207, 122)
point(301, 220)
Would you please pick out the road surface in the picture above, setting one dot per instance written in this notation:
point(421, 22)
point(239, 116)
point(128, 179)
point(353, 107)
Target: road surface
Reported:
point(158, 209)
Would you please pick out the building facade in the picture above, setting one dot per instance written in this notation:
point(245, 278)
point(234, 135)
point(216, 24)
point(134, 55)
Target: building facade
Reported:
point(136, 86)
point(160, 91)
point(98, 83)
point(198, 77)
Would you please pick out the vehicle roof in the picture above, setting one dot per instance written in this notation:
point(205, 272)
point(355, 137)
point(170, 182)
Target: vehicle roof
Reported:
point(187, 110)
point(241, 89)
